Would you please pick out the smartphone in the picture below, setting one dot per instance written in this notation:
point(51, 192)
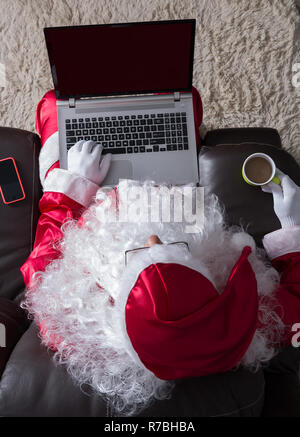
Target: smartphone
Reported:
point(11, 187)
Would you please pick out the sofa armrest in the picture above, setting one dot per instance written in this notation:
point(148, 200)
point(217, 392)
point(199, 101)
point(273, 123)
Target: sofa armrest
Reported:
point(262, 135)
point(13, 324)
point(282, 395)
point(220, 169)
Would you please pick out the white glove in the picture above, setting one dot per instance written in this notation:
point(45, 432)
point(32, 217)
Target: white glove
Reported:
point(286, 199)
point(84, 159)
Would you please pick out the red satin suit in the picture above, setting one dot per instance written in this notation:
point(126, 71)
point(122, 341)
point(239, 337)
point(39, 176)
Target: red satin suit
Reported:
point(59, 203)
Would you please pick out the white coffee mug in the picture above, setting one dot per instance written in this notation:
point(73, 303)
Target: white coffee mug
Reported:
point(272, 178)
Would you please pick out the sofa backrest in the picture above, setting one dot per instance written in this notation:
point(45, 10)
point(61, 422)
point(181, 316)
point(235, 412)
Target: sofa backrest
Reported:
point(18, 220)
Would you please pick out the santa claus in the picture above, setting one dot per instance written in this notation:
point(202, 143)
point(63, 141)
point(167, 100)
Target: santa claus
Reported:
point(129, 307)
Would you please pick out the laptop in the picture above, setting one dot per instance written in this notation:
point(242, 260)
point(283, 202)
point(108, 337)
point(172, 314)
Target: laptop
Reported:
point(128, 87)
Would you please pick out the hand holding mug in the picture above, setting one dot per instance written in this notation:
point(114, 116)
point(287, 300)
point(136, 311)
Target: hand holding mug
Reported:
point(286, 199)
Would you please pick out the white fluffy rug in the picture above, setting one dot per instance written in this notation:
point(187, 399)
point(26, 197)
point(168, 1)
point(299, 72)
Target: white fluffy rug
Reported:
point(244, 55)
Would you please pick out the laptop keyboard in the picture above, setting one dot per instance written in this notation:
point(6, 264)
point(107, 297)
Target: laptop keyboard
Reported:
point(131, 133)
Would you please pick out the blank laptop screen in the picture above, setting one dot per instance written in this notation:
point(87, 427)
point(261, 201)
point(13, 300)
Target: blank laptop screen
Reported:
point(117, 59)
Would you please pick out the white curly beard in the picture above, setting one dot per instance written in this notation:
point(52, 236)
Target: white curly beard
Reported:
point(73, 298)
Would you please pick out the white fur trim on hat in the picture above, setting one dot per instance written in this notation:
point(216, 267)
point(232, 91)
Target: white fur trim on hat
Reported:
point(49, 154)
point(158, 253)
point(72, 185)
point(282, 241)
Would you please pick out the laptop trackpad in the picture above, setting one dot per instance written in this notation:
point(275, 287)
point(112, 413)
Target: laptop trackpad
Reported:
point(118, 170)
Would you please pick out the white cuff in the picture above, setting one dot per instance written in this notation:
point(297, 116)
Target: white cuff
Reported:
point(72, 185)
point(49, 154)
point(282, 241)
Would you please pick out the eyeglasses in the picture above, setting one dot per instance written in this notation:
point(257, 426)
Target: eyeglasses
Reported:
point(131, 252)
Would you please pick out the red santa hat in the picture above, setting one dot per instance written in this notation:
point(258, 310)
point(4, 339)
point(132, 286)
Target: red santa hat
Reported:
point(175, 321)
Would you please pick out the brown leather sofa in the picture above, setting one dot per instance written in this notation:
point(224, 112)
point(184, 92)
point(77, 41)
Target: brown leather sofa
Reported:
point(32, 385)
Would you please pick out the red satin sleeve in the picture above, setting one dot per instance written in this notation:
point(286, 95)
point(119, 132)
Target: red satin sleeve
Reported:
point(55, 209)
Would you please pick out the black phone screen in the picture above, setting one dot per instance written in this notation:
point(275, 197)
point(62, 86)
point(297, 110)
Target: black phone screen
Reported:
point(9, 181)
